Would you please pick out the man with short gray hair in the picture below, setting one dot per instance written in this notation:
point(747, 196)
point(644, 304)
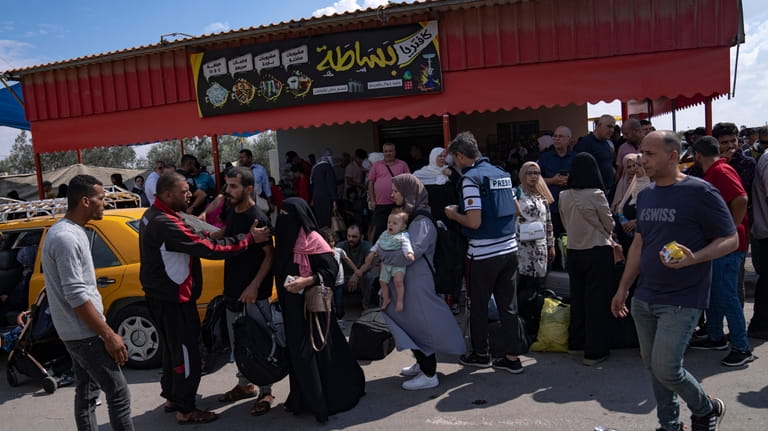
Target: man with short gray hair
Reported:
point(598, 143)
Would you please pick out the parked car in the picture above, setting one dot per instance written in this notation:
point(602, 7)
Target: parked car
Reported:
point(115, 249)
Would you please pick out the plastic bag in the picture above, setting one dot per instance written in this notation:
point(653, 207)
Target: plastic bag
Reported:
point(553, 329)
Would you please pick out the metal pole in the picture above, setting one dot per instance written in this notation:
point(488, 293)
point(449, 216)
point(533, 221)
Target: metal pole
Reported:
point(216, 168)
point(708, 114)
point(39, 175)
point(446, 130)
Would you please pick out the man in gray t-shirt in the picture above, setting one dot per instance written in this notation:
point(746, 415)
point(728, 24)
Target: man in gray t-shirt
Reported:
point(78, 314)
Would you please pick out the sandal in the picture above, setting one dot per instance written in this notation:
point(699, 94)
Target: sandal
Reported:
point(198, 417)
point(236, 394)
point(168, 407)
point(262, 406)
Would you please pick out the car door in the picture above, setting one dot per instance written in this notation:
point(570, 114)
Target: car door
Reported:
point(110, 270)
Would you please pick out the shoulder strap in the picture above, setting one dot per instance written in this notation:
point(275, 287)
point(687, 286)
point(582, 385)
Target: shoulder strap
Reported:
point(389, 169)
point(428, 215)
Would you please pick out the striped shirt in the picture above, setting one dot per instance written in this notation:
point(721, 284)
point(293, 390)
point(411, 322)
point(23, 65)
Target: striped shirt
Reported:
point(480, 249)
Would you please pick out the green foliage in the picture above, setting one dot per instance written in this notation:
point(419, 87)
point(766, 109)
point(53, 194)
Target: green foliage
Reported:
point(229, 147)
point(111, 157)
point(20, 160)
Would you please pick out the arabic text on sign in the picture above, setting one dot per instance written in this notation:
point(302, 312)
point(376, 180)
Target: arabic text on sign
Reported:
point(330, 90)
point(341, 60)
point(385, 84)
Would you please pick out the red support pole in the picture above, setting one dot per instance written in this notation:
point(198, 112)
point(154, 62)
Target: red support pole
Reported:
point(181, 147)
point(708, 115)
point(216, 164)
point(446, 130)
point(79, 156)
point(39, 174)
point(624, 111)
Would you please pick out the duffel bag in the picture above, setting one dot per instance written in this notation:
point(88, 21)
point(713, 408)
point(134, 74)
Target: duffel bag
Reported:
point(369, 337)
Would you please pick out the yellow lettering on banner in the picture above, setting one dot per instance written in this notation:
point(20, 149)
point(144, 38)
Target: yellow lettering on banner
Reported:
point(341, 60)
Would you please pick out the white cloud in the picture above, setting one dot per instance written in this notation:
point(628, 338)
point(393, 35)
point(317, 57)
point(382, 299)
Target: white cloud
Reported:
point(342, 6)
point(216, 27)
point(15, 54)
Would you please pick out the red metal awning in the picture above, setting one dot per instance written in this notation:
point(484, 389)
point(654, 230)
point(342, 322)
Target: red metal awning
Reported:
point(627, 77)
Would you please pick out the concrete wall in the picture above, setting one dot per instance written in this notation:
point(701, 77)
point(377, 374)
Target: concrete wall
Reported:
point(483, 126)
point(348, 137)
point(345, 138)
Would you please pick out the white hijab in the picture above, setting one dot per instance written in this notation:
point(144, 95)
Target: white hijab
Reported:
point(432, 174)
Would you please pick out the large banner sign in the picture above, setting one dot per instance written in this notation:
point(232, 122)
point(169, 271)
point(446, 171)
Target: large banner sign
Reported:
point(395, 61)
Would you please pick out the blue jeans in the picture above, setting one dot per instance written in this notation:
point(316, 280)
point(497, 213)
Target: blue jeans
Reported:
point(724, 301)
point(663, 332)
point(94, 371)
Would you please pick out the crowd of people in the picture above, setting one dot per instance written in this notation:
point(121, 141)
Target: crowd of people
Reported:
point(619, 201)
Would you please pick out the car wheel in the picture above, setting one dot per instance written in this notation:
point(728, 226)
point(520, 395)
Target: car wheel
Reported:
point(11, 376)
point(140, 336)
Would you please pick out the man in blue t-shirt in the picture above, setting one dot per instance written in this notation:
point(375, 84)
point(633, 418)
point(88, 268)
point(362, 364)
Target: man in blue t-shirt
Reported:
point(555, 167)
point(598, 143)
point(670, 296)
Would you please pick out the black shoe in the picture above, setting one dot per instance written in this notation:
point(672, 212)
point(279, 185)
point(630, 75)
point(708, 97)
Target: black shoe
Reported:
point(475, 360)
point(709, 344)
point(679, 427)
point(700, 334)
point(737, 358)
point(514, 367)
point(710, 422)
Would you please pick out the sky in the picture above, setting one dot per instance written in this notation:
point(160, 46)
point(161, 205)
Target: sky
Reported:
point(37, 31)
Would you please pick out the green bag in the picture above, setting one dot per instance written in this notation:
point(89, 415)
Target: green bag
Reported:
point(553, 329)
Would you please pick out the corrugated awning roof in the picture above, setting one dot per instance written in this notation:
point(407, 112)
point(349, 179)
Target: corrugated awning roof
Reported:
point(556, 84)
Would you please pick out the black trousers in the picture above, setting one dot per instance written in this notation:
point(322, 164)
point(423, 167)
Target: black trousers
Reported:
point(179, 329)
point(592, 278)
point(759, 319)
point(427, 363)
point(497, 276)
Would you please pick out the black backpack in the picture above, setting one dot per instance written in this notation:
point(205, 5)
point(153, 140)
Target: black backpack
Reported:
point(215, 349)
point(449, 259)
point(258, 355)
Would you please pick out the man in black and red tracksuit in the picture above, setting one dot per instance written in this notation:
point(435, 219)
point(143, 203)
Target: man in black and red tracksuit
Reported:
point(172, 280)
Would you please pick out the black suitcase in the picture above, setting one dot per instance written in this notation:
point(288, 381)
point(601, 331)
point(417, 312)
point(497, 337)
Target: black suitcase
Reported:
point(369, 337)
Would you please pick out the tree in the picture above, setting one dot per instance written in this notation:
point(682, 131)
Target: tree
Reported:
point(111, 157)
point(20, 160)
point(229, 147)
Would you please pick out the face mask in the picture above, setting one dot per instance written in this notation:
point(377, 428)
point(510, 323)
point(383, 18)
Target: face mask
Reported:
point(448, 160)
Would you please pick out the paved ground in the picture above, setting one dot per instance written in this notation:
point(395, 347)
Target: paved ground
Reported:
point(556, 392)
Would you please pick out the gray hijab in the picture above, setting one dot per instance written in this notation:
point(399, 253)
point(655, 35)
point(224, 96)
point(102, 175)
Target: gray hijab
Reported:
point(415, 198)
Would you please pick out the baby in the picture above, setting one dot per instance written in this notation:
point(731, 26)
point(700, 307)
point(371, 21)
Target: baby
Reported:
point(394, 238)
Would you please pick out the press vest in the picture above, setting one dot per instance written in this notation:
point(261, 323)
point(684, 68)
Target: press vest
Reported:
point(497, 198)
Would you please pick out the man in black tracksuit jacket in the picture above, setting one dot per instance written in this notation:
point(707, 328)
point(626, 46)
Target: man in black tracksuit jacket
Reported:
point(172, 281)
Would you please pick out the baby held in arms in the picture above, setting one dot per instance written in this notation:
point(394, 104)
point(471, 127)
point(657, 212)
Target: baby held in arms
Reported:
point(394, 238)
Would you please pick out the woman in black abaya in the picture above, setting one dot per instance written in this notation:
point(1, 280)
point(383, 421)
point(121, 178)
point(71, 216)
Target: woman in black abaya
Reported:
point(325, 382)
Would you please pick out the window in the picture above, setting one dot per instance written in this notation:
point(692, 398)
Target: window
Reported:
point(100, 252)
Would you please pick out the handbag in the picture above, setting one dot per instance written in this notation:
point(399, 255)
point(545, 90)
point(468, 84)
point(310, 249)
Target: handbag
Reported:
point(317, 300)
point(532, 231)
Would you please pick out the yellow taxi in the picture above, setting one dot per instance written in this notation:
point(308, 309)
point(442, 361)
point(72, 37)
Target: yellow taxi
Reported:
point(115, 250)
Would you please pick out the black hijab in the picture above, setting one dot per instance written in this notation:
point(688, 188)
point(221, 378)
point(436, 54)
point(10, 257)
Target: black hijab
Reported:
point(584, 173)
point(299, 216)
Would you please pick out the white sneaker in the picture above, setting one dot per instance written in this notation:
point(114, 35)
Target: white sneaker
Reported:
point(411, 371)
point(421, 382)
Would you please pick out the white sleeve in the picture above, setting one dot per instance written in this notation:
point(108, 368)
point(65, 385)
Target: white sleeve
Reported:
point(470, 192)
point(405, 243)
